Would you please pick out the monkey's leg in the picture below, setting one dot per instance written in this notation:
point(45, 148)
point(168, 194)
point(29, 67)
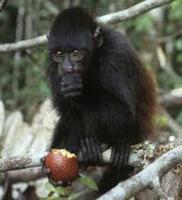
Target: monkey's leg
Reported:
point(91, 151)
point(120, 154)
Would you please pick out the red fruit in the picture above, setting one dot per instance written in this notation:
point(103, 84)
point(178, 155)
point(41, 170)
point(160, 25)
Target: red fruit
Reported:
point(63, 165)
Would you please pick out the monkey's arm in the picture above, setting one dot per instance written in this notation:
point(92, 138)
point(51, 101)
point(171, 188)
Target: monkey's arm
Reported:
point(76, 133)
point(67, 133)
point(89, 142)
point(119, 78)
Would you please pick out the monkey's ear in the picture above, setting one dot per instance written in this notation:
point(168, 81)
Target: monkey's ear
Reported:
point(98, 37)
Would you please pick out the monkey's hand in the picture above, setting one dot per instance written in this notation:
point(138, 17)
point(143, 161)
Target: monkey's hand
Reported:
point(71, 85)
point(120, 155)
point(91, 151)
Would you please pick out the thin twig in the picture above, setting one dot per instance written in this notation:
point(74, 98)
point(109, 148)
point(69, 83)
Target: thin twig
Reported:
point(24, 44)
point(133, 11)
point(2, 4)
point(173, 98)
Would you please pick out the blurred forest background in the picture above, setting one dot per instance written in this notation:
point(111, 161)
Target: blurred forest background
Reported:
point(23, 85)
point(156, 35)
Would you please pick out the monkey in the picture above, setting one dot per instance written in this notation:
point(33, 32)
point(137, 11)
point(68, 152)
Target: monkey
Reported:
point(100, 89)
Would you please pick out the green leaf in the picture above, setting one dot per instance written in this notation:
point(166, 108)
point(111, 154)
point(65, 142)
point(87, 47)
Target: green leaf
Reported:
point(161, 120)
point(63, 191)
point(51, 193)
point(178, 44)
point(88, 182)
point(50, 187)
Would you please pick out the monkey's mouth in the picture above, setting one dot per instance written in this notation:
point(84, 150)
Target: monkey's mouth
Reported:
point(71, 85)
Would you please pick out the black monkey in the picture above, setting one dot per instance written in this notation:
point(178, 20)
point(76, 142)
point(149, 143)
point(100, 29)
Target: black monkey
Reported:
point(99, 87)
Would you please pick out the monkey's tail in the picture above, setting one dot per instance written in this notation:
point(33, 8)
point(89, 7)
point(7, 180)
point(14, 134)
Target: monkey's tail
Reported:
point(112, 177)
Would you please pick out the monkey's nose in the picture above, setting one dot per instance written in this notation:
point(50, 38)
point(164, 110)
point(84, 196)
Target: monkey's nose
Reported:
point(67, 66)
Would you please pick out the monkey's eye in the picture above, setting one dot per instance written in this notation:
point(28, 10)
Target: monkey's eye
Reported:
point(57, 56)
point(77, 55)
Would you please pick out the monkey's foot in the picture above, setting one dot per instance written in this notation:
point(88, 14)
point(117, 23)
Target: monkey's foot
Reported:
point(91, 151)
point(120, 155)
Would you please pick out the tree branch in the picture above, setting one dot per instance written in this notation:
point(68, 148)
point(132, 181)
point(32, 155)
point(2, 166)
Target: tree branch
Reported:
point(145, 178)
point(28, 161)
point(24, 44)
point(106, 19)
point(172, 99)
point(141, 155)
point(2, 4)
point(133, 11)
point(21, 162)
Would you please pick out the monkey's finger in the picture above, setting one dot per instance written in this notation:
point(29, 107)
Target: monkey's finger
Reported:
point(120, 156)
point(97, 151)
point(72, 88)
point(93, 149)
point(46, 170)
point(126, 157)
point(72, 94)
point(115, 156)
point(75, 92)
point(89, 148)
point(83, 146)
point(67, 82)
point(83, 150)
point(72, 78)
point(113, 150)
point(42, 160)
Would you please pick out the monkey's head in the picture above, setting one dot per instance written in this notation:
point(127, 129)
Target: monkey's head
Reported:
point(72, 41)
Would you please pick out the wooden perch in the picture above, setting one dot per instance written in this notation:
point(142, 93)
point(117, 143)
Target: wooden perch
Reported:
point(137, 154)
point(28, 161)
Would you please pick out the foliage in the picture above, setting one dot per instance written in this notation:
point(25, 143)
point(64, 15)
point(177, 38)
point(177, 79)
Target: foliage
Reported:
point(59, 192)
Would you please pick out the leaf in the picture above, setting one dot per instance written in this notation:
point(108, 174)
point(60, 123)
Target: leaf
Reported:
point(161, 120)
point(63, 191)
point(88, 182)
point(50, 187)
point(51, 193)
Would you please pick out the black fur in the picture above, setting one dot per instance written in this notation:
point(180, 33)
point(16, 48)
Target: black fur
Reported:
point(118, 95)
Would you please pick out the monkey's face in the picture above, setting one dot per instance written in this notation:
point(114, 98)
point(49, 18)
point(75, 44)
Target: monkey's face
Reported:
point(72, 42)
point(70, 65)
